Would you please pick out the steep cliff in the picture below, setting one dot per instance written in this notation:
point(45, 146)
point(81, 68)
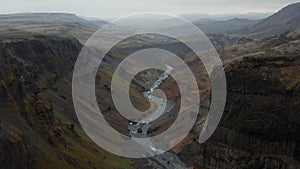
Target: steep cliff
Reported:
point(261, 122)
point(39, 128)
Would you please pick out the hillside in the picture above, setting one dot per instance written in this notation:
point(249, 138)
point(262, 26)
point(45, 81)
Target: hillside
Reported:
point(47, 17)
point(58, 24)
point(259, 128)
point(39, 128)
point(288, 18)
point(261, 118)
point(215, 27)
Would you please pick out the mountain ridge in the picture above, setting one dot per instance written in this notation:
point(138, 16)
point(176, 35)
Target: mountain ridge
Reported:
point(288, 18)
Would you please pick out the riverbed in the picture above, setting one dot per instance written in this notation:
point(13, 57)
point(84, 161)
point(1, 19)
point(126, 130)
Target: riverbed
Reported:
point(166, 160)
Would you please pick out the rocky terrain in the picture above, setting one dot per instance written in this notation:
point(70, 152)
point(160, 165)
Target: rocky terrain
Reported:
point(260, 124)
point(39, 127)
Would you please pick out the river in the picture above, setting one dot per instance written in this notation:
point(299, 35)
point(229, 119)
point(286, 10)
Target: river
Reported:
point(167, 160)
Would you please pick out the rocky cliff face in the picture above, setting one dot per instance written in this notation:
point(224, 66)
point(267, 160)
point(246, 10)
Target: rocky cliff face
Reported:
point(29, 67)
point(261, 122)
point(39, 128)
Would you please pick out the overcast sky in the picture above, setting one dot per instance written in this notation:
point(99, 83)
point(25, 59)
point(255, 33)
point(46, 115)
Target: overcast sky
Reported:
point(118, 8)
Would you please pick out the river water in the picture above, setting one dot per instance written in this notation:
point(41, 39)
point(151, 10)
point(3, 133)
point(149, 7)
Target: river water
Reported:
point(166, 160)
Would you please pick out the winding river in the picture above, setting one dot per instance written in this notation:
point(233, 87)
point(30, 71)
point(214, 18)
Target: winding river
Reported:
point(167, 160)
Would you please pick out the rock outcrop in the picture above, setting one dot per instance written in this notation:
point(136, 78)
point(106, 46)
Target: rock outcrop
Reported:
point(261, 122)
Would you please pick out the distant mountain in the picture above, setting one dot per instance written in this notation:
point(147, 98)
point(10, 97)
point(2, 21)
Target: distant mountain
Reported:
point(47, 17)
point(213, 26)
point(198, 16)
point(284, 20)
point(59, 24)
